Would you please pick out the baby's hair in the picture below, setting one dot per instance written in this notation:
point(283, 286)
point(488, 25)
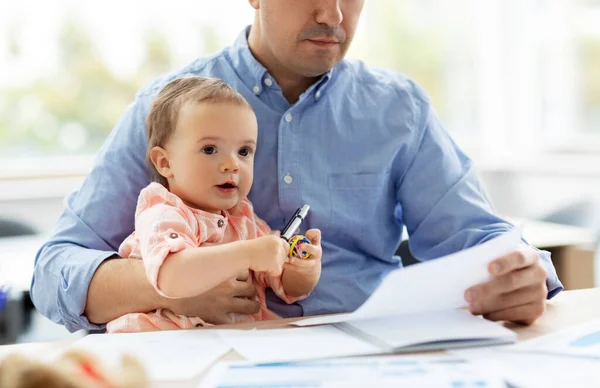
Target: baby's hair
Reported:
point(164, 112)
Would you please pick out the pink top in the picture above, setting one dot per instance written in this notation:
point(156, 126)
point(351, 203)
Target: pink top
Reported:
point(164, 224)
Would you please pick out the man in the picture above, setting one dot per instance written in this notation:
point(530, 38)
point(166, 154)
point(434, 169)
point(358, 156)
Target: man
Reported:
point(362, 147)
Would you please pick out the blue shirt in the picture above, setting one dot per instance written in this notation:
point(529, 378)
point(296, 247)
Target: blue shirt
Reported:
point(362, 147)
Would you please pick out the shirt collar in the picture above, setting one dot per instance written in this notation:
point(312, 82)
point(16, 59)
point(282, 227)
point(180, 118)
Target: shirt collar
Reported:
point(250, 70)
point(253, 73)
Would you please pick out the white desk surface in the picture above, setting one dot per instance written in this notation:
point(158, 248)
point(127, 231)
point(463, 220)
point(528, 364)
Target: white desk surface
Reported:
point(566, 309)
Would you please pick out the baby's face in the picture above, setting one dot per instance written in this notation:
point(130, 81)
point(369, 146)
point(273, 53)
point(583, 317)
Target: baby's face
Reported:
point(211, 154)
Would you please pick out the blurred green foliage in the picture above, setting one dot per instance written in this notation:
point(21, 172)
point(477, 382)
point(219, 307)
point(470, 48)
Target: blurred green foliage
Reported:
point(83, 99)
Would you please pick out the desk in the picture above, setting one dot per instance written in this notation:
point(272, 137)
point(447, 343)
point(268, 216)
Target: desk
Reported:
point(566, 309)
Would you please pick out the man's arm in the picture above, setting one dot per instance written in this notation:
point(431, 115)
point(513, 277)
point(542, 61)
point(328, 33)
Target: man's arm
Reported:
point(120, 286)
point(96, 219)
point(114, 279)
point(445, 209)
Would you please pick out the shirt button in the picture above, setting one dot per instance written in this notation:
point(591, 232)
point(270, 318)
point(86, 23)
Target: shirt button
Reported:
point(256, 89)
point(318, 95)
point(288, 179)
point(220, 223)
point(173, 235)
point(268, 82)
point(288, 117)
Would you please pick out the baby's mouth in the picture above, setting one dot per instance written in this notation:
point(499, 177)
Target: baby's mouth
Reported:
point(227, 185)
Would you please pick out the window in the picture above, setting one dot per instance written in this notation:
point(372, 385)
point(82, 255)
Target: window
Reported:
point(433, 42)
point(69, 70)
point(570, 61)
point(502, 74)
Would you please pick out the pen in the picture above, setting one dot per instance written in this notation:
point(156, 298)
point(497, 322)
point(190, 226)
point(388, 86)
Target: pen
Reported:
point(294, 222)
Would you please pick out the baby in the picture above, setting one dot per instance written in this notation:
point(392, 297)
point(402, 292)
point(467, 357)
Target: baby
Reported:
point(194, 226)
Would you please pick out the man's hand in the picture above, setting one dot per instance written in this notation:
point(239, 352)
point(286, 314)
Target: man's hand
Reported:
point(311, 267)
point(217, 305)
point(300, 276)
point(517, 292)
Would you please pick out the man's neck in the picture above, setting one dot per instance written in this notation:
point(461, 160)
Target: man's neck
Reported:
point(292, 85)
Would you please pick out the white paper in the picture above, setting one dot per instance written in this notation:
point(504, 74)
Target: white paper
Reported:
point(295, 344)
point(430, 286)
point(582, 340)
point(166, 355)
point(413, 371)
point(529, 370)
point(433, 327)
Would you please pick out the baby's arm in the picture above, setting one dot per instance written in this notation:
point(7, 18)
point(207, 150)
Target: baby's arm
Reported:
point(179, 268)
point(196, 270)
point(300, 276)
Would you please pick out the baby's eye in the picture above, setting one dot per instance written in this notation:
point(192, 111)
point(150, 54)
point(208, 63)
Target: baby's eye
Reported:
point(245, 151)
point(209, 150)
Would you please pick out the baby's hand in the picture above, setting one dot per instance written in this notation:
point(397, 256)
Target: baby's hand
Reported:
point(268, 254)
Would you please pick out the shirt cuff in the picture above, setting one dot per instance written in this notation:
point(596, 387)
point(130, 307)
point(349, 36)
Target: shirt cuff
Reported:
point(74, 282)
point(553, 283)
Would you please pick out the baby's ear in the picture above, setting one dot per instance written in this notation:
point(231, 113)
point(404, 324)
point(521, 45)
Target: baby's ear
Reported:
point(160, 159)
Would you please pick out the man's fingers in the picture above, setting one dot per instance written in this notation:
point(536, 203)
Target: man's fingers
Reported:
point(524, 314)
point(314, 236)
point(532, 293)
point(223, 319)
point(518, 259)
point(301, 263)
point(312, 249)
point(243, 276)
point(244, 306)
point(244, 289)
point(507, 283)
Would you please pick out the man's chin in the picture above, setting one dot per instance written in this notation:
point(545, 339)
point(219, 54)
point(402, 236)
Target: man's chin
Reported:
point(314, 70)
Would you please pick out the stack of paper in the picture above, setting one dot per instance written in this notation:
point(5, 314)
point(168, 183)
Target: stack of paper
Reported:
point(394, 372)
point(412, 309)
point(435, 285)
point(579, 341)
point(568, 358)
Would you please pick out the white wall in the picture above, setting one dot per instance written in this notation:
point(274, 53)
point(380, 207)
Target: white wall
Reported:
point(538, 194)
point(40, 213)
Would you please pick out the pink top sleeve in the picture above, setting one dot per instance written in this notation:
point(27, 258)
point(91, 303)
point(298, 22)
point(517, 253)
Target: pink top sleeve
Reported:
point(269, 281)
point(163, 225)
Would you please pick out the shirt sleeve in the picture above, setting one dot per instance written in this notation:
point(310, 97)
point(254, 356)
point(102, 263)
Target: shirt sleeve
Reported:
point(161, 230)
point(97, 217)
point(444, 206)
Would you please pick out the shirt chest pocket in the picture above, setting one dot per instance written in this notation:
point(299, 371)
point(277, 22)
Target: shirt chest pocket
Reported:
point(357, 200)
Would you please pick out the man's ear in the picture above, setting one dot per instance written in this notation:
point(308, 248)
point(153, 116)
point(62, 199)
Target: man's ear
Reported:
point(160, 159)
point(255, 4)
